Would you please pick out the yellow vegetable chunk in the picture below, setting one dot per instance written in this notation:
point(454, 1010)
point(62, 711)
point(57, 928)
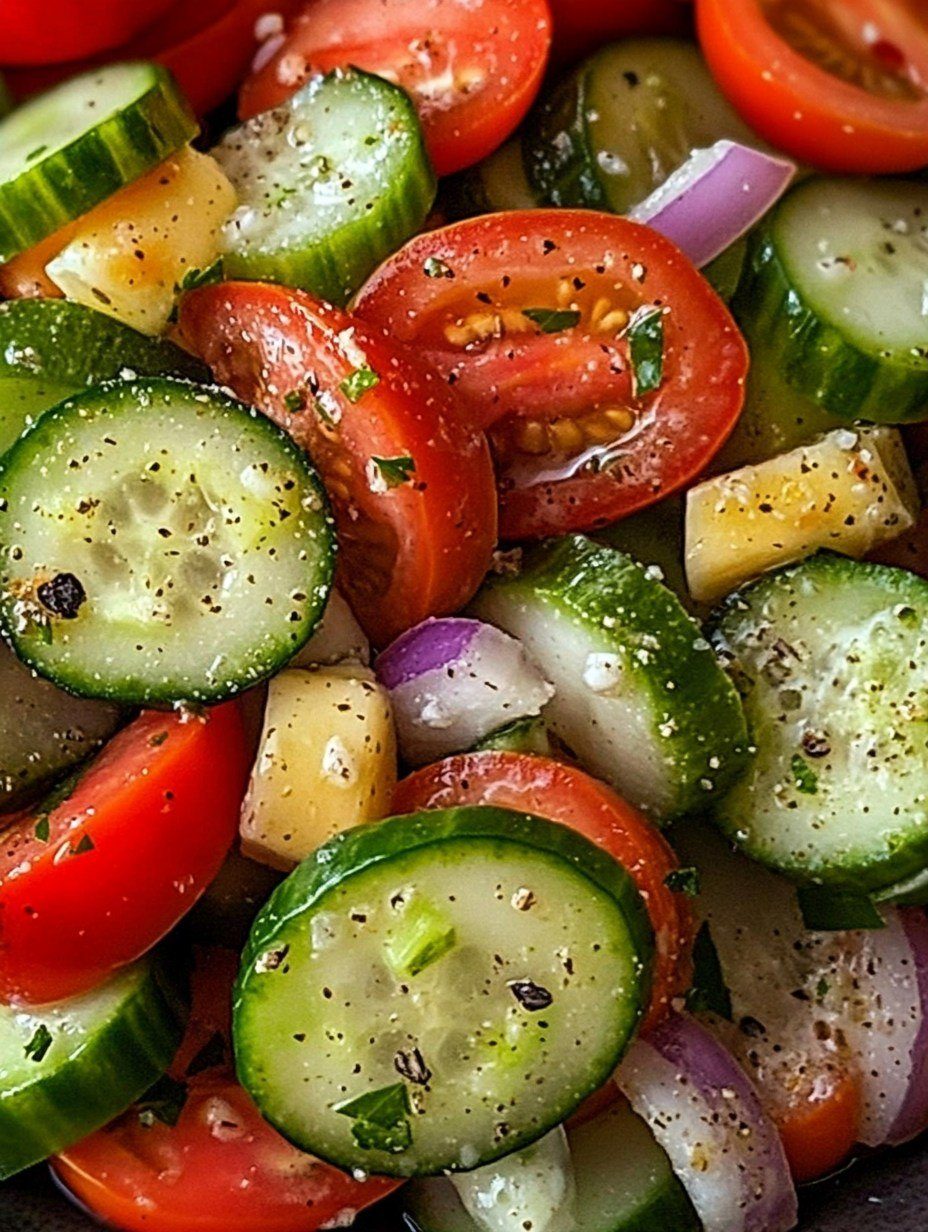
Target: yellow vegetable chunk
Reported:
point(129, 256)
point(326, 762)
point(848, 491)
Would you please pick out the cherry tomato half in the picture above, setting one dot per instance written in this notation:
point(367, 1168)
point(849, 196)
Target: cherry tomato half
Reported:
point(530, 315)
point(566, 794)
point(90, 883)
point(57, 30)
point(842, 84)
point(411, 484)
point(472, 67)
point(221, 1167)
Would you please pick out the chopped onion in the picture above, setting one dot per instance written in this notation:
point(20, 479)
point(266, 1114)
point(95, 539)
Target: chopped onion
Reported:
point(705, 1113)
point(453, 681)
point(715, 197)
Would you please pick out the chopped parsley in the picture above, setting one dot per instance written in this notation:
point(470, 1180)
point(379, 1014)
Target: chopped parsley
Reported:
point(164, 1102)
point(709, 991)
point(40, 1043)
point(834, 909)
point(210, 1056)
point(804, 777)
point(84, 845)
point(552, 320)
point(395, 471)
point(646, 349)
point(295, 400)
point(42, 828)
point(356, 385)
point(201, 277)
point(380, 1119)
point(434, 267)
point(683, 881)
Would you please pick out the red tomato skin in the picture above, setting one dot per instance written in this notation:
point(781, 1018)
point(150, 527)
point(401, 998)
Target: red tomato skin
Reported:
point(160, 813)
point(682, 425)
point(806, 111)
point(70, 29)
point(581, 26)
point(509, 39)
point(261, 340)
point(568, 795)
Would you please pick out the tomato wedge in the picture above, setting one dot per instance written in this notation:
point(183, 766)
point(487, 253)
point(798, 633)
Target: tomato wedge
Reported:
point(566, 794)
point(582, 27)
point(819, 1133)
point(472, 67)
point(842, 84)
point(96, 875)
point(220, 1167)
point(411, 484)
point(529, 314)
point(70, 29)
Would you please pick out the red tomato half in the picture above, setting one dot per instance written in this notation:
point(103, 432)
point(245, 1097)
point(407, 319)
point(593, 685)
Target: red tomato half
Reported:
point(528, 314)
point(411, 484)
point(473, 67)
point(49, 31)
point(566, 794)
point(221, 1168)
point(842, 84)
point(92, 883)
point(580, 26)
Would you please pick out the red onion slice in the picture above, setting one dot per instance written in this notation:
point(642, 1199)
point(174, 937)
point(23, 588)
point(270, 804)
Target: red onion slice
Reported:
point(706, 1115)
point(453, 681)
point(715, 197)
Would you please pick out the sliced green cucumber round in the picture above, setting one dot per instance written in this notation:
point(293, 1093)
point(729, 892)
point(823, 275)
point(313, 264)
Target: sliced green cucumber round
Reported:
point(432, 992)
point(623, 121)
point(498, 183)
point(829, 657)
point(640, 698)
point(51, 349)
point(65, 151)
point(43, 731)
point(330, 183)
point(67, 1069)
point(835, 286)
point(623, 1183)
point(160, 542)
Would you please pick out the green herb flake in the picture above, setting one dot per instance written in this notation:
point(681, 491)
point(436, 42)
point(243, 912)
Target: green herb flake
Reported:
point(42, 828)
point(201, 277)
point(395, 471)
point(804, 777)
point(552, 320)
point(40, 1043)
point(295, 400)
point(380, 1119)
point(356, 385)
point(164, 1102)
point(646, 349)
point(434, 267)
point(683, 881)
point(836, 909)
point(821, 988)
point(211, 1055)
point(84, 845)
point(421, 937)
point(709, 991)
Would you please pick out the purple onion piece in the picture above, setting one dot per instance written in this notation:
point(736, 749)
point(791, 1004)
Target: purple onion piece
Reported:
point(912, 1118)
point(427, 647)
point(706, 1115)
point(715, 197)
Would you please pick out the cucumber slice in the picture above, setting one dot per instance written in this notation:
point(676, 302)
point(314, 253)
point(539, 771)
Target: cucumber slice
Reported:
point(330, 183)
point(160, 542)
point(43, 732)
point(835, 285)
point(623, 1180)
point(498, 183)
point(50, 349)
point(654, 538)
point(528, 735)
point(640, 698)
point(401, 1010)
point(67, 1069)
point(65, 151)
point(829, 658)
point(623, 122)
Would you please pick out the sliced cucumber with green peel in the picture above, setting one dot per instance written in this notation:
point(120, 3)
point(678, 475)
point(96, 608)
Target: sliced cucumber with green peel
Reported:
point(498, 183)
point(433, 992)
point(835, 286)
point(654, 538)
point(623, 121)
point(330, 183)
point(830, 658)
point(623, 1183)
point(51, 349)
point(65, 151)
point(69, 1068)
point(159, 543)
point(640, 698)
point(43, 731)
